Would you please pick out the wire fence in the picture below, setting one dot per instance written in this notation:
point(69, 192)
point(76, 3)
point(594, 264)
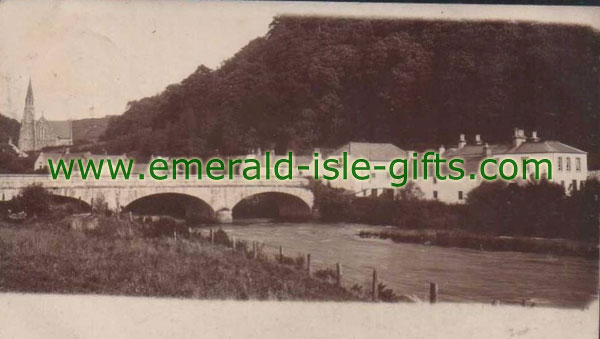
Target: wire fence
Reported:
point(364, 280)
point(342, 274)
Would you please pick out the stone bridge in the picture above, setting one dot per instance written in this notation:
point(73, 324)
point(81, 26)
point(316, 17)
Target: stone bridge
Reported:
point(221, 196)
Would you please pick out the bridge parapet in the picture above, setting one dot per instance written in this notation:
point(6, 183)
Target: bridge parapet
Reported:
point(220, 195)
point(22, 180)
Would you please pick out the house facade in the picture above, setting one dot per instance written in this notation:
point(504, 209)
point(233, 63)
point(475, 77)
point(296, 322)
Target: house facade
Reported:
point(569, 164)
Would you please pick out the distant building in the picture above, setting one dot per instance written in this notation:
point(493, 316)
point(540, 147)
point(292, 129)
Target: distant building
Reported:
point(569, 164)
point(37, 134)
point(378, 154)
point(41, 161)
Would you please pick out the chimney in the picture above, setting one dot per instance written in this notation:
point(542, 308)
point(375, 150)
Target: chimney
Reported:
point(258, 151)
point(487, 150)
point(442, 150)
point(534, 136)
point(67, 150)
point(477, 139)
point(519, 137)
point(462, 142)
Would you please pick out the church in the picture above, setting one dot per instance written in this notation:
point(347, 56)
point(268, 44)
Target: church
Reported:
point(37, 134)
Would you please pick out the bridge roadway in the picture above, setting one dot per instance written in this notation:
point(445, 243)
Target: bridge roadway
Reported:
point(220, 195)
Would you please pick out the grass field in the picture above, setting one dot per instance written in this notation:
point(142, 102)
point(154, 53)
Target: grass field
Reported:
point(51, 259)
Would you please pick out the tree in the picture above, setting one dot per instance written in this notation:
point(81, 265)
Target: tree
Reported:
point(33, 200)
point(321, 82)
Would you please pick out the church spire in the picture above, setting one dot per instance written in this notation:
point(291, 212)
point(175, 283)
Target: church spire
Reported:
point(29, 97)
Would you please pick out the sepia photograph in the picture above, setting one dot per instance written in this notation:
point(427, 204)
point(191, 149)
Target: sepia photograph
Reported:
point(298, 170)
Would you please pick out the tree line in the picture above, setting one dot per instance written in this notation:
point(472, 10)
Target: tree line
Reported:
point(321, 82)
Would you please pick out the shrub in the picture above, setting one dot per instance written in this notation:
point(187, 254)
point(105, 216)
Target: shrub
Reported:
point(387, 294)
point(326, 274)
point(33, 200)
point(164, 227)
point(221, 238)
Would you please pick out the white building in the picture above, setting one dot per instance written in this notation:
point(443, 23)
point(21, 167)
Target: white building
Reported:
point(378, 154)
point(569, 164)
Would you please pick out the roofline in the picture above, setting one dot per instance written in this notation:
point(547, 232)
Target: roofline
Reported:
point(580, 152)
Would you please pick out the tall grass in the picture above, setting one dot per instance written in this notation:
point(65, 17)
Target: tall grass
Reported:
point(53, 259)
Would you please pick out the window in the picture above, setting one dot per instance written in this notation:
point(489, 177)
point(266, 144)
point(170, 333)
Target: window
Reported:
point(525, 166)
point(373, 175)
point(460, 195)
point(435, 194)
point(560, 163)
point(435, 179)
point(568, 164)
point(364, 193)
point(578, 164)
point(374, 192)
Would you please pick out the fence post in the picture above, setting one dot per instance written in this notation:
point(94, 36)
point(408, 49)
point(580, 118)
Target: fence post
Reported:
point(280, 254)
point(338, 274)
point(433, 293)
point(212, 236)
point(233, 243)
point(374, 286)
point(308, 267)
point(175, 235)
point(254, 249)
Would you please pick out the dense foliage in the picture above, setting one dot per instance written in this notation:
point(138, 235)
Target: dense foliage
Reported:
point(34, 200)
point(535, 209)
point(325, 81)
point(10, 162)
point(9, 129)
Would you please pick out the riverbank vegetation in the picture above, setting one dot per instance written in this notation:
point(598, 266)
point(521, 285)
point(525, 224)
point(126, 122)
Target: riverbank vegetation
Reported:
point(122, 257)
point(496, 216)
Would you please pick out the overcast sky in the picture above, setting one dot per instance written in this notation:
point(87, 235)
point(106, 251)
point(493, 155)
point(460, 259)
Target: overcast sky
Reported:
point(89, 57)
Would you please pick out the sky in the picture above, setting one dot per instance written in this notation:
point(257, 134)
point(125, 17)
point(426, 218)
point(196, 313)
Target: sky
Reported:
point(89, 58)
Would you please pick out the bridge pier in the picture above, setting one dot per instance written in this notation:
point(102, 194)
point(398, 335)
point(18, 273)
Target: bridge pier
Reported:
point(224, 216)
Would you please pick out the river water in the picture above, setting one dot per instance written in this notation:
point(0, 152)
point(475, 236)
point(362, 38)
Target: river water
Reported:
point(462, 275)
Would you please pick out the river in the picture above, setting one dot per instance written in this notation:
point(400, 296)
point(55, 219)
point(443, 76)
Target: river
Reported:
point(463, 275)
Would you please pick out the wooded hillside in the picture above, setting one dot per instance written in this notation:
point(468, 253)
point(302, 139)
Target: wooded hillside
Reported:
point(325, 81)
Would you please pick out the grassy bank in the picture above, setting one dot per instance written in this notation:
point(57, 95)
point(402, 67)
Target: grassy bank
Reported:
point(464, 239)
point(116, 260)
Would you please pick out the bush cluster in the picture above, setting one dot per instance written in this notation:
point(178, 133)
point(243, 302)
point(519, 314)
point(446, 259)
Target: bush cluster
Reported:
point(536, 209)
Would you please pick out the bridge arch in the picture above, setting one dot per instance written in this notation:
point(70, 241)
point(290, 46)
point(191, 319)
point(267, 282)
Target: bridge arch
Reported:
point(272, 204)
point(179, 205)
